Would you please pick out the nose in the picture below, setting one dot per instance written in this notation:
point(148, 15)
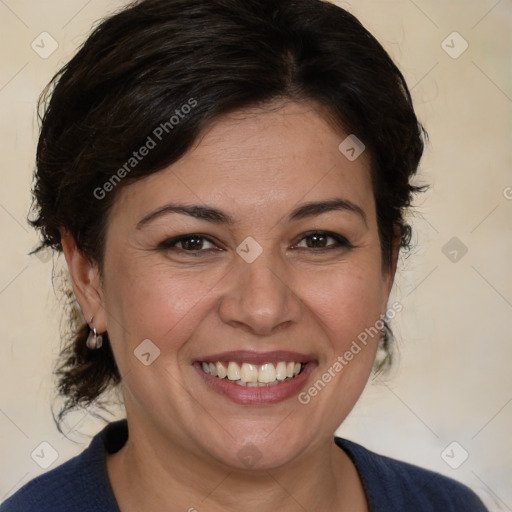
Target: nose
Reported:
point(259, 298)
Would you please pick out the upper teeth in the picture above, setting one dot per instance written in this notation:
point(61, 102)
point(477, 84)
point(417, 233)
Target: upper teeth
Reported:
point(252, 374)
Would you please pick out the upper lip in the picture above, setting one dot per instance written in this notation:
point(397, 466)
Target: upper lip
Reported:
point(253, 357)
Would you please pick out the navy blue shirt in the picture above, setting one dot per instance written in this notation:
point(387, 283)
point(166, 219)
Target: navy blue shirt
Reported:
point(82, 485)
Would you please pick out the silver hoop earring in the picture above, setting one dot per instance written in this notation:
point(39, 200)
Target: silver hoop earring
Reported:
point(94, 340)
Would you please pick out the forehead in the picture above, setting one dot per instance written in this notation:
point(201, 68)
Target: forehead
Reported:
point(259, 159)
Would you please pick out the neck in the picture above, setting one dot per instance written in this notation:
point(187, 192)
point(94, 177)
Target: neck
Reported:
point(150, 473)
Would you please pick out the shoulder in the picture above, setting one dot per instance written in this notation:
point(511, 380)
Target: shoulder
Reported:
point(80, 484)
point(51, 490)
point(395, 486)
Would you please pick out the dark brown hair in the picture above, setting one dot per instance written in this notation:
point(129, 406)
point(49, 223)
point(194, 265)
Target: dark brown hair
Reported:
point(141, 66)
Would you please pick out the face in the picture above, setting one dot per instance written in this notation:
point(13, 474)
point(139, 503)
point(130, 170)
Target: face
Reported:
point(255, 256)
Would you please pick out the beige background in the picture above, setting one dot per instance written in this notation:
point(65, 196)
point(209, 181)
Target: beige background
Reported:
point(453, 380)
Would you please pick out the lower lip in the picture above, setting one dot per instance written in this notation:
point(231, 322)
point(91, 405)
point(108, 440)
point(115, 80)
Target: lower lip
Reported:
point(257, 395)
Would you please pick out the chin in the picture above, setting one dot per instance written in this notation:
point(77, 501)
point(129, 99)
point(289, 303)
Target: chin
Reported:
point(250, 452)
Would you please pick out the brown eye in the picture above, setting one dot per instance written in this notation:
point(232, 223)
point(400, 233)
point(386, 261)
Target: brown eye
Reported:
point(193, 243)
point(317, 241)
point(188, 243)
point(323, 240)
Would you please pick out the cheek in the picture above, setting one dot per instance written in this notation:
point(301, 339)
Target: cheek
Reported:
point(345, 301)
point(346, 305)
point(153, 302)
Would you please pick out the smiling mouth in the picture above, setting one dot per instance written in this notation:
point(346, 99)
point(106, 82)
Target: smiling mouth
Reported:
point(254, 375)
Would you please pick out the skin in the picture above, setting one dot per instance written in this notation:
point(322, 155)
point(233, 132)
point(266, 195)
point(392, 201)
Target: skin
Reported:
point(185, 439)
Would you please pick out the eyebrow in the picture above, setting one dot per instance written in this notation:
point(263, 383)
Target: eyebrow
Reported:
point(317, 208)
point(219, 217)
point(198, 212)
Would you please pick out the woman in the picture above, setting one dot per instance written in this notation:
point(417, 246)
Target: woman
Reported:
point(227, 181)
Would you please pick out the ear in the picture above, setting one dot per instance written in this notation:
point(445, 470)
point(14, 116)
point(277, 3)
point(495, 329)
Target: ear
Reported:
point(390, 270)
point(86, 281)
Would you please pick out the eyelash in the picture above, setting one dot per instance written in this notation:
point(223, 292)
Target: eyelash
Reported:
point(341, 241)
point(171, 243)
